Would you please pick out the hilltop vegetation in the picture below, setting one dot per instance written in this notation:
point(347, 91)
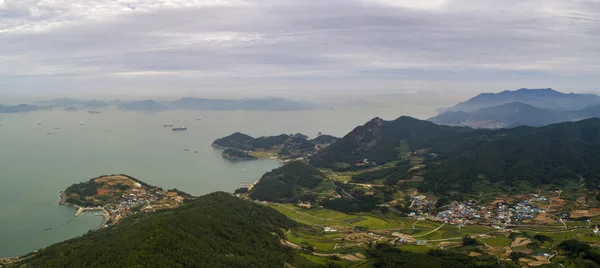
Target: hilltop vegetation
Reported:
point(216, 230)
point(380, 141)
point(521, 157)
point(101, 190)
point(289, 183)
point(462, 159)
point(284, 145)
point(245, 142)
point(324, 139)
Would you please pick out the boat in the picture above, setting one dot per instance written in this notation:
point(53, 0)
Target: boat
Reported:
point(167, 125)
point(198, 119)
point(50, 133)
point(179, 129)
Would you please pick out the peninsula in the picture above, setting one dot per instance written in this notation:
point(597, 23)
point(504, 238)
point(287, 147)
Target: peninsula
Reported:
point(284, 146)
point(235, 154)
point(118, 196)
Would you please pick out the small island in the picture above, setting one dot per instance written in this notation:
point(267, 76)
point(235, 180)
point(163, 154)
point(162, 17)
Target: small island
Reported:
point(285, 146)
point(235, 154)
point(118, 196)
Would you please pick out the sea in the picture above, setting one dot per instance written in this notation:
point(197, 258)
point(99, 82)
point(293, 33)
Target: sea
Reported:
point(42, 153)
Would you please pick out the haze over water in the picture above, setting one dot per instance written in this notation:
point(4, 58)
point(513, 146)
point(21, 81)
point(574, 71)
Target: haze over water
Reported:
point(35, 166)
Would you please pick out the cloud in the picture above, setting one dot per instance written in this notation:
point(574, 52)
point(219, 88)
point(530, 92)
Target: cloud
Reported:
point(275, 47)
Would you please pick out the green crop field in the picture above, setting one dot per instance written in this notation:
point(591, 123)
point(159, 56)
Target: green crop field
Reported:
point(322, 260)
point(372, 223)
point(263, 154)
point(319, 242)
point(497, 241)
point(395, 222)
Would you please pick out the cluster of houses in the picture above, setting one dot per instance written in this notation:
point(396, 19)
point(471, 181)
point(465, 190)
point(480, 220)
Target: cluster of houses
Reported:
point(404, 238)
point(460, 213)
point(470, 213)
point(420, 203)
point(524, 210)
point(139, 198)
point(7, 261)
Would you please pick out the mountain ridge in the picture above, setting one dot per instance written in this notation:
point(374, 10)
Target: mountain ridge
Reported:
point(511, 114)
point(543, 98)
point(460, 157)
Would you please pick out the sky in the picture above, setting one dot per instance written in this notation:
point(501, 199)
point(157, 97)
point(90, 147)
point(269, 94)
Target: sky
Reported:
point(295, 48)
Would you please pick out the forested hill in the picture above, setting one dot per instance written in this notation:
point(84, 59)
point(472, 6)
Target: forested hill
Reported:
point(462, 159)
point(380, 141)
point(521, 157)
point(244, 142)
point(216, 230)
point(288, 183)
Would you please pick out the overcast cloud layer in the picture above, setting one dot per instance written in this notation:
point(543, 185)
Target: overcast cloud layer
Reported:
point(120, 48)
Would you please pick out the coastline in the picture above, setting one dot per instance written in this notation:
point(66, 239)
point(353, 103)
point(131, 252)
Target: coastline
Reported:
point(256, 154)
point(105, 215)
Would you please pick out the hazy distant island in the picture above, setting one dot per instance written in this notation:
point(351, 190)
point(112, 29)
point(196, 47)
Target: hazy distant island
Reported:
point(523, 107)
point(119, 196)
point(20, 108)
point(94, 112)
point(284, 146)
point(146, 106)
point(188, 103)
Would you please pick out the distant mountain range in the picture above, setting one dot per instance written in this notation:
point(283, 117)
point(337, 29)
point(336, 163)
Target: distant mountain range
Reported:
point(146, 105)
point(529, 107)
point(546, 98)
point(502, 116)
point(188, 103)
point(21, 108)
point(275, 104)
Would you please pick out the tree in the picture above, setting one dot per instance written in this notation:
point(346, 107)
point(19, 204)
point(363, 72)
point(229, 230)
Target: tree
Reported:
point(468, 241)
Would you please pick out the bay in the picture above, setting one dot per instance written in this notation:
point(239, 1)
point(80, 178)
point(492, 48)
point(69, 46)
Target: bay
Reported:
point(42, 153)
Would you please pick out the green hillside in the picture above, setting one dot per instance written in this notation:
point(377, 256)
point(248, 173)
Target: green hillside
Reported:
point(244, 142)
point(462, 159)
point(288, 183)
point(380, 141)
point(216, 230)
point(521, 157)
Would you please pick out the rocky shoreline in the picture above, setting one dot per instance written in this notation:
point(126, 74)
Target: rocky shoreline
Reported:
point(105, 215)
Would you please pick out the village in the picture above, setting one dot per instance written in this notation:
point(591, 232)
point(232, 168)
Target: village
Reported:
point(7, 261)
point(119, 196)
point(522, 210)
point(140, 199)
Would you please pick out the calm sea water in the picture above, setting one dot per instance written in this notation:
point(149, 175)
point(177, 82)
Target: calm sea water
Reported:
point(35, 166)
